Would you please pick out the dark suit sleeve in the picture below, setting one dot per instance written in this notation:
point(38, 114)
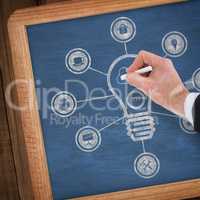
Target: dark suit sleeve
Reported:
point(196, 114)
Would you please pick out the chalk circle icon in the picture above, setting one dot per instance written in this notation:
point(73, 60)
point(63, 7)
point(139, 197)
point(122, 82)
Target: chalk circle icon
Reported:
point(88, 139)
point(63, 104)
point(174, 44)
point(123, 29)
point(136, 100)
point(187, 126)
point(78, 61)
point(196, 79)
point(146, 165)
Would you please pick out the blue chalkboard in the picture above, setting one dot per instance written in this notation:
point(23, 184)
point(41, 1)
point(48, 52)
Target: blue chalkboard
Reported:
point(100, 134)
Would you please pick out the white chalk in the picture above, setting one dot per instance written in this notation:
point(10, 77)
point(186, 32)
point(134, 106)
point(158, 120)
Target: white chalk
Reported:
point(139, 71)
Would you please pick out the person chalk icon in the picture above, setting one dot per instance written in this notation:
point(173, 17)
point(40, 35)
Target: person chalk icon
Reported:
point(164, 86)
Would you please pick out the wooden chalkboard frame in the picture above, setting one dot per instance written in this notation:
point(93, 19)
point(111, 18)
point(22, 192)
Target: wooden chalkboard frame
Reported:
point(27, 139)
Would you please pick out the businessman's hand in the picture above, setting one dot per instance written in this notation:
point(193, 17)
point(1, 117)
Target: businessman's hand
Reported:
point(163, 85)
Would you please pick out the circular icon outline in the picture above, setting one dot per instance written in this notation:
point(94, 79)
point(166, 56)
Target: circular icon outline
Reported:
point(194, 82)
point(185, 44)
point(141, 104)
point(67, 94)
point(132, 35)
point(149, 155)
point(81, 147)
point(181, 120)
point(76, 50)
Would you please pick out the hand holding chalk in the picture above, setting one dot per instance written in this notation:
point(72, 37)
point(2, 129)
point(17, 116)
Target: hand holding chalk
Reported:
point(164, 85)
point(139, 71)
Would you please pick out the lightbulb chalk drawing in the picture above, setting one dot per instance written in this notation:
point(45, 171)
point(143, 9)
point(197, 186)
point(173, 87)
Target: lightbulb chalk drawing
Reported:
point(140, 125)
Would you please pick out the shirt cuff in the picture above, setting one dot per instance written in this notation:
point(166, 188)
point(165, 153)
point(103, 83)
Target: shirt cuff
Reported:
point(188, 106)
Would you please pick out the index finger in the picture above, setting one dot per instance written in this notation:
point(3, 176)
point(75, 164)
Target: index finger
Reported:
point(145, 58)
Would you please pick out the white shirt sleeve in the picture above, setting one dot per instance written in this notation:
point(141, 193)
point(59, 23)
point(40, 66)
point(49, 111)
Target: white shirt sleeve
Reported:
point(188, 106)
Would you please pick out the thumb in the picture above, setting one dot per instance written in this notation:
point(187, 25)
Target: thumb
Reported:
point(139, 81)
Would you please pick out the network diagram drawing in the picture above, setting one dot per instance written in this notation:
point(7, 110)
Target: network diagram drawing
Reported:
point(136, 107)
